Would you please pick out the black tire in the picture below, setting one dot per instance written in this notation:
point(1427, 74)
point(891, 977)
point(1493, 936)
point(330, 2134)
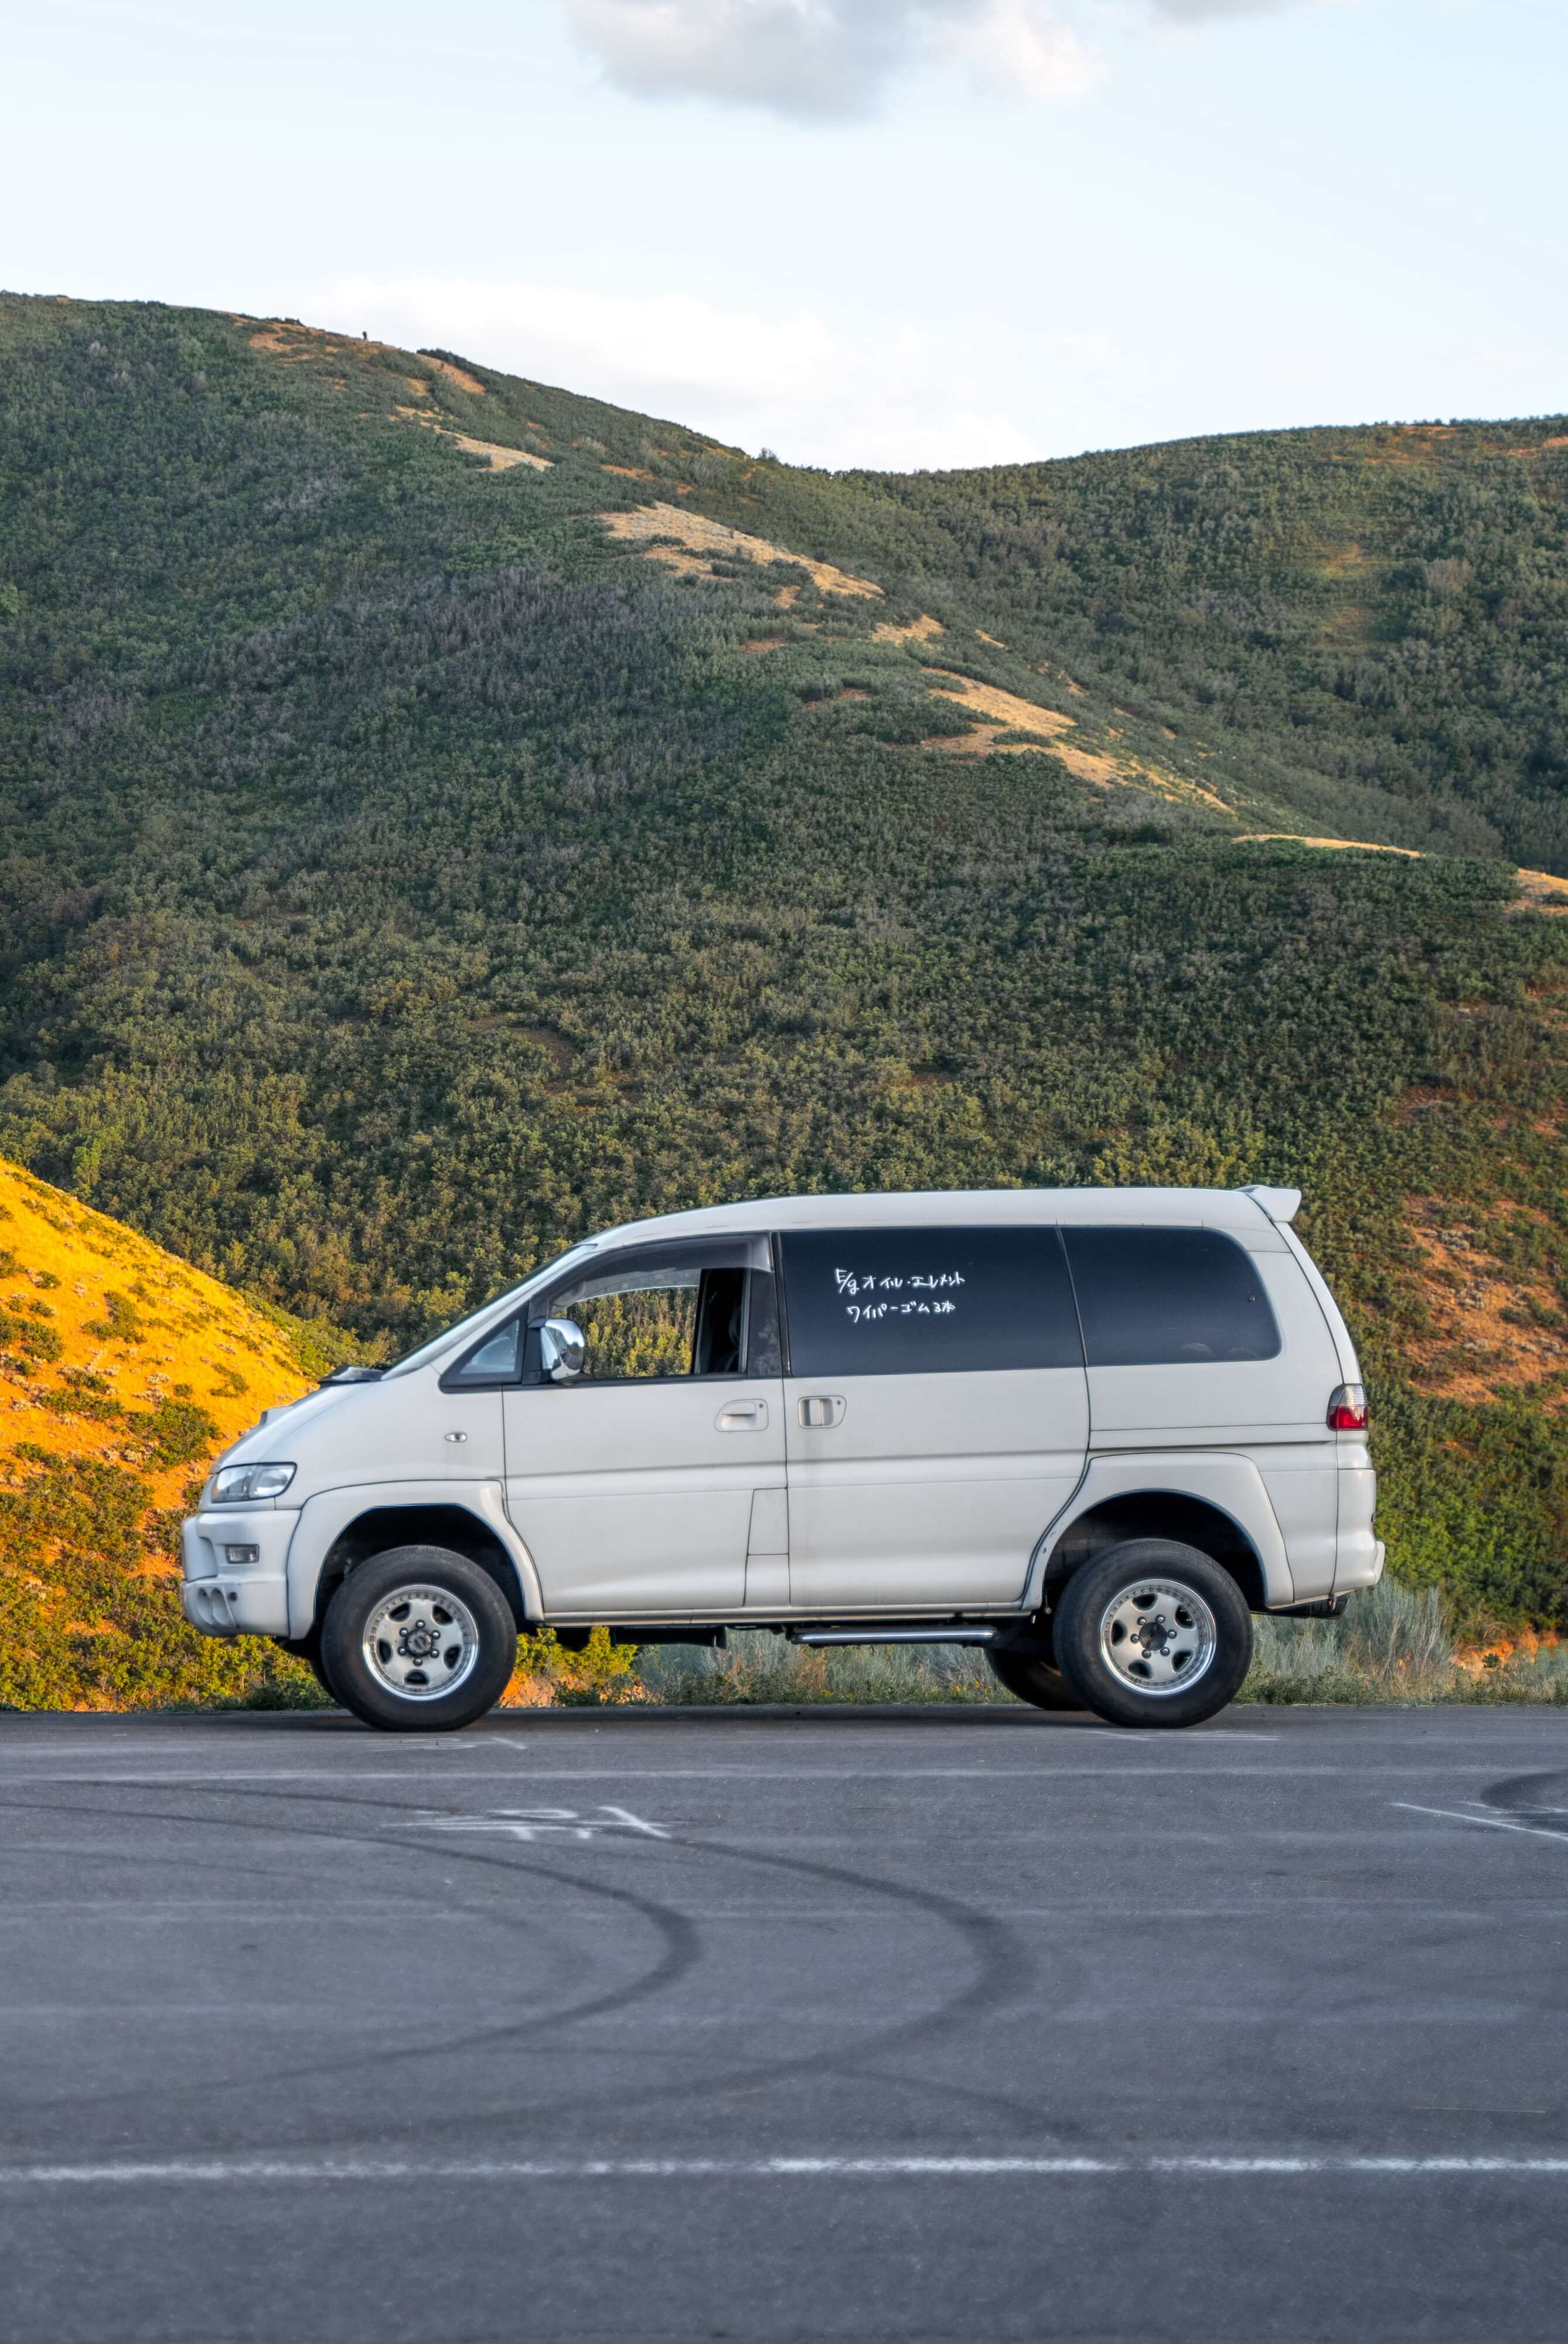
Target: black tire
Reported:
point(308, 1648)
point(311, 1653)
point(1034, 1677)
point(428, 1664)
point(1126, 1656)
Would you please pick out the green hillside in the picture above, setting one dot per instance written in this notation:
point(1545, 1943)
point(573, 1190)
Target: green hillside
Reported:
point(439, 813)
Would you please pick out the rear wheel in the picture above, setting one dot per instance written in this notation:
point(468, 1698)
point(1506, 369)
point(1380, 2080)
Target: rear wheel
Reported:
point(1154, 1634)
point(1033, 1677)
point(419, 1639)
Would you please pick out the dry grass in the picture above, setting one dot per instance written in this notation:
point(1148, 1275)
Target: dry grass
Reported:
point(460, 376)
point(283, 338)
point(1540, 891)
point(1007, 715)
point(916, 630)
point(693, 540)
point(281, 341)
point(500, 458)
point(1355, 845)
point(148, 1326)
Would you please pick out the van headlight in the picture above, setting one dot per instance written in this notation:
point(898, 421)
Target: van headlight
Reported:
point(238, 1485)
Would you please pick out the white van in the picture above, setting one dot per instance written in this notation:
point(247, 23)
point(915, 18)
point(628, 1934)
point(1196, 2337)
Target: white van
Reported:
point(1091, 1430)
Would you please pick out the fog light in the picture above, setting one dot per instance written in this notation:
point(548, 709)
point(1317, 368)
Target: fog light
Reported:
point(242, 1554)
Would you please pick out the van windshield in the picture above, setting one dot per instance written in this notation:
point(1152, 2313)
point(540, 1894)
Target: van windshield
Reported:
point(436, 1346)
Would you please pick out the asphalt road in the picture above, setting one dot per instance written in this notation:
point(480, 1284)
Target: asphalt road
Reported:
point(904, 2025)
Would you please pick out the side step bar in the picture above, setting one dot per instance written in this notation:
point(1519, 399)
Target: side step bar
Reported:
point(872, 1634)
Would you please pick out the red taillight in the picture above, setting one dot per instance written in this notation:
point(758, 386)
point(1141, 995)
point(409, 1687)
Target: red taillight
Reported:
point(1348, 1410)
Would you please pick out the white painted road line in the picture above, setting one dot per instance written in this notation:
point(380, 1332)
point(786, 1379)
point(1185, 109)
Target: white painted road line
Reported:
point(540, 1823)
point(1494, 1823)
point(218, 2171)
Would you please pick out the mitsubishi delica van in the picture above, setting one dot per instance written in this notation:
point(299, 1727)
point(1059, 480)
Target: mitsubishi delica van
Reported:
point(1091, 1430)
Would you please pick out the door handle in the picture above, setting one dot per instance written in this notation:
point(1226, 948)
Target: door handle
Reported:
point(819, 1412)
point(744, 1416)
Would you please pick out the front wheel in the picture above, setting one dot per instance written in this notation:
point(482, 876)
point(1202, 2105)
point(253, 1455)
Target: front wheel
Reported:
point(1154, 1634)
point(419, 1639)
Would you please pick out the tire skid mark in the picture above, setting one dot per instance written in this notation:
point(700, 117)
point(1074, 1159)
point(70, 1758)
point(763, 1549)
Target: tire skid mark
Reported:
point(994, 1945)
point(1003, 1964)
point(682, 1948)
point(1538, 1799)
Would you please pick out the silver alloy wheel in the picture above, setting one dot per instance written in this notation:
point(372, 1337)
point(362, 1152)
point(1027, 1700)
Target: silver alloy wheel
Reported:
point(1158, 1636)
point(421, 1641)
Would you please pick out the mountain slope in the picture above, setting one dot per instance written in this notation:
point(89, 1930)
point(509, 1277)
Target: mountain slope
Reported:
point(1373, 623)
point(122, 1371)
point(439, 813)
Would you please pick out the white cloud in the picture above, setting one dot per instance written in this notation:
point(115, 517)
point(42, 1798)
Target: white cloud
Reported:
point(824, 59)
point(809, 57)
point(893, 399)
point(1016, 45)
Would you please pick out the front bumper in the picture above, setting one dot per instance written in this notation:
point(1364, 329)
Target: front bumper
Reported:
point(221, 1598)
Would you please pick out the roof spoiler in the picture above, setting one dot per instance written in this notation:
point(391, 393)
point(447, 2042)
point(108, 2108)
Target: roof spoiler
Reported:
point(1282, 1205)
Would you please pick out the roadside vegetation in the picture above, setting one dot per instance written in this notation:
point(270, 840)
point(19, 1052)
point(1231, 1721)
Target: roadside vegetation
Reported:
point(1391, 1645)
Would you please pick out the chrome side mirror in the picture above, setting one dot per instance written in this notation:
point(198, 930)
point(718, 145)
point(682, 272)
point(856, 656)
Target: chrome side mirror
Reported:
point(563, 1349)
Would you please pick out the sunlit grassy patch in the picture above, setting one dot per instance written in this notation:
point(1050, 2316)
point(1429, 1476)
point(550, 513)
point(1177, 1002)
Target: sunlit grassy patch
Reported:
point(123, 1371)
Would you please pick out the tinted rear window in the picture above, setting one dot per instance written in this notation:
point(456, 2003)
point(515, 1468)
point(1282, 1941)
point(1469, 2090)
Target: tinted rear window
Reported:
point(1168, 1298)
point(926, 1301)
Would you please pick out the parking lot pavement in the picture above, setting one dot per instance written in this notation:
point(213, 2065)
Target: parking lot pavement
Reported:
point(905, 2024)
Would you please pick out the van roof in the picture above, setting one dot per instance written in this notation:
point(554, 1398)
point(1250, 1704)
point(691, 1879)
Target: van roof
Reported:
point(1253, 1212)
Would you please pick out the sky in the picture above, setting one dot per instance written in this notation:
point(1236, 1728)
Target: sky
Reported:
point(898, 233)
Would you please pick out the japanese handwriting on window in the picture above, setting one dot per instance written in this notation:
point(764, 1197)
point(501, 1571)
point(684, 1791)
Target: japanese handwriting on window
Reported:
point(858, 1313)
point(911, 1293)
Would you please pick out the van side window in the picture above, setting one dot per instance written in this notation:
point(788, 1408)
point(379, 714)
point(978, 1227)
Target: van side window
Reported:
point(1168, 1298)
point(496, 1361)
point(665, 1311)
point(927, 1302)
point(719, 1336)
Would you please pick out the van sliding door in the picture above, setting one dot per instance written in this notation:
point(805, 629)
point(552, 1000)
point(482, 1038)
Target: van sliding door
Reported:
point(935, 1412)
